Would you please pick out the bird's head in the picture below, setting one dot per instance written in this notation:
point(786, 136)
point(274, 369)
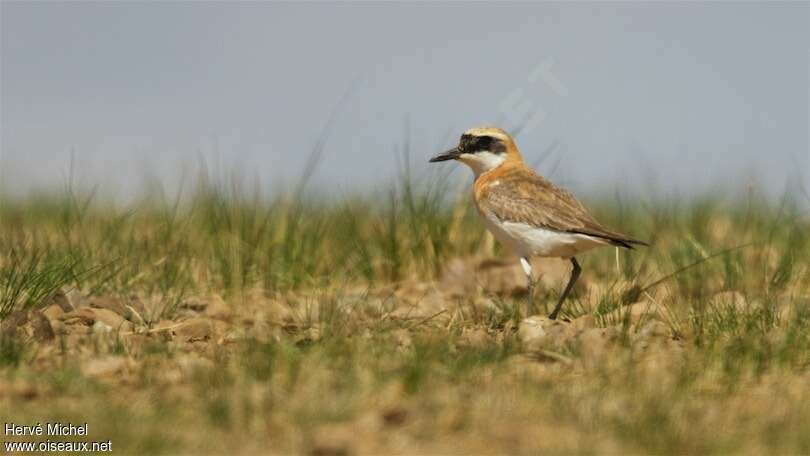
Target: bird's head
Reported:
point(482, 149)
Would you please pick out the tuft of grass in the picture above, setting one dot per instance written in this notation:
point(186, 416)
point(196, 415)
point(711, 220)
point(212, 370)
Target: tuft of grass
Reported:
point(29, 276)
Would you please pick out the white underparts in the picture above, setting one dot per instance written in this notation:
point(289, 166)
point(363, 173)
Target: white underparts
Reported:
point(527, 240)
point(482, 161)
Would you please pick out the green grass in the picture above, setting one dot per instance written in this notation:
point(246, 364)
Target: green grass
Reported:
point(229, 241)
point(731, 374)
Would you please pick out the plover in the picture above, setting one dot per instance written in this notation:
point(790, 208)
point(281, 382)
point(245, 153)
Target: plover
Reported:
point(526, 212)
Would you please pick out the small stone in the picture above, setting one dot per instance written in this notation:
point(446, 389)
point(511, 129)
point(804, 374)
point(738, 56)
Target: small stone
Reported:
point(77, 330)
point(101, 320)
point(112, 319)
point(100, 327)
point(75, 298)
point(195, 329)
point(41, 326)
point(67, 299)
point(81, 316)
point(53, 312)
point(58, 327)
point(14, 320)
point(61, 299)
point(539, 331)
point(109, 303)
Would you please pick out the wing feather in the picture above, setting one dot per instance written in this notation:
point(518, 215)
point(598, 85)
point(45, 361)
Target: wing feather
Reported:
point(520, 195)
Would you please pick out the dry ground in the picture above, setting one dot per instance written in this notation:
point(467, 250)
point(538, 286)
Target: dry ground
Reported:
point(414, 368)
point(237, 326)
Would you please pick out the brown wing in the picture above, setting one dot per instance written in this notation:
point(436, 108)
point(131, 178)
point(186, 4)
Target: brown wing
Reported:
point(519, 195)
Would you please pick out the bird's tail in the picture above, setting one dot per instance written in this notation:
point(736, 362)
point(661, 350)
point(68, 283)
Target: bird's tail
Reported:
point(614, 238)
point(627, 242)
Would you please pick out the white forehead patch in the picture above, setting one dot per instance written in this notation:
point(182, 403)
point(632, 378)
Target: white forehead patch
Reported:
point(488, 131)
point(482, 161)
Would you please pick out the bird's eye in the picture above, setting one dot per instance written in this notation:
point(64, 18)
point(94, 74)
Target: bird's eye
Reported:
point(483, 143)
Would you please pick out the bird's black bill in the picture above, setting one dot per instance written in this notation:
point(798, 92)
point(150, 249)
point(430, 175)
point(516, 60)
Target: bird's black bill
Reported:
point(444, 156)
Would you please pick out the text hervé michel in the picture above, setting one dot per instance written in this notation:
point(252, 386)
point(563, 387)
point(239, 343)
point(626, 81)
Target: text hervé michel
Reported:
point(50, 429)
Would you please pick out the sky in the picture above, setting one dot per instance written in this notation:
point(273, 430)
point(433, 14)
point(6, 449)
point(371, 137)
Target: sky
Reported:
point(667, 97)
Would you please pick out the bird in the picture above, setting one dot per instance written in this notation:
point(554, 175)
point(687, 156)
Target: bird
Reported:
point(526, 212)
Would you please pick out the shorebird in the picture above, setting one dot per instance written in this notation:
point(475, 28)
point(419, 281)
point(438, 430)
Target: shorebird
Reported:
point(526, 212)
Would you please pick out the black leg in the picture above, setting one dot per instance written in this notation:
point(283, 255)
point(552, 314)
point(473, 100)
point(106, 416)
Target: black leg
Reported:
point(574, 276)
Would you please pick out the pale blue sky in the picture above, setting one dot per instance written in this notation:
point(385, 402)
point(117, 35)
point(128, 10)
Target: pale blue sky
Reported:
point(694, 93)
